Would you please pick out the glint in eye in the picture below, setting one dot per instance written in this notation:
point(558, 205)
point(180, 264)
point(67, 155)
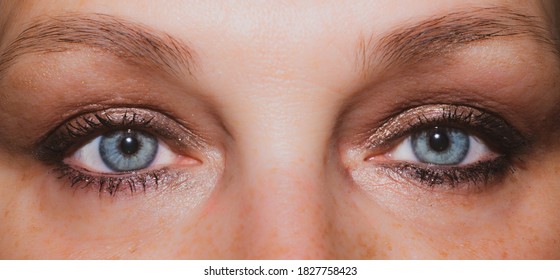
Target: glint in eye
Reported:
point(123, 151)
point(442, 146)
point(450, 146)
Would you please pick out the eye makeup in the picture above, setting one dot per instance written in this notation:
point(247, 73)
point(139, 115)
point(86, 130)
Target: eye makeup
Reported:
point(64, 139)
point(495, 130)
point(505, 142)
point(73, 134)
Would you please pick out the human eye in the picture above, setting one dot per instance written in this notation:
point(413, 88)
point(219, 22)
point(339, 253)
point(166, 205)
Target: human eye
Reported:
point(121, 149)
point(125, 150)
point(446, 146)
point(441, 145)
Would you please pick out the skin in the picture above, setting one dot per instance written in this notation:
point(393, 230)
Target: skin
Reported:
point(280, 99)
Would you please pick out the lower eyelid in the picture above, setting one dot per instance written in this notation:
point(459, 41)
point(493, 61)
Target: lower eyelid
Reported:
point(113, 184)
point(468, 179)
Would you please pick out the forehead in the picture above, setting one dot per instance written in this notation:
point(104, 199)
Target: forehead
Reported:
point(266, 40)
point(250, 19)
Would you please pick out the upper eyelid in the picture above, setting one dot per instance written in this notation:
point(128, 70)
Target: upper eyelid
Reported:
point(87, 125)
point(404, 122)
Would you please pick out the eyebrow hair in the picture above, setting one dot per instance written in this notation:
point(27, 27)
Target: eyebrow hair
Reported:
point(132, 42)
point(438, 36)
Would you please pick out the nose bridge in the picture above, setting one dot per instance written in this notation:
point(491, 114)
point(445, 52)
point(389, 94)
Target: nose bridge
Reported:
point(277, 168)
point(287, 217)
point(283, 193)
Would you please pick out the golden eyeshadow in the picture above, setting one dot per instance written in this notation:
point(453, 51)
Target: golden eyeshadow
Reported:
point(78, 130)
point(501, 137)
point(72, 134)
point(491, 127)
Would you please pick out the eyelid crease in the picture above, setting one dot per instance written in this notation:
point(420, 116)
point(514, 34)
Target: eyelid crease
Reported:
point(56, 144)
point(488, 126)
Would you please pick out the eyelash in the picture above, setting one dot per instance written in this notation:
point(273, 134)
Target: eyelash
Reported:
point(492, 129)
point(71, 135)
point(112, 184)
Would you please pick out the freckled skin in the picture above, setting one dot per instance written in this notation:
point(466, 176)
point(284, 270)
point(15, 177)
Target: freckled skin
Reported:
point(278, 191)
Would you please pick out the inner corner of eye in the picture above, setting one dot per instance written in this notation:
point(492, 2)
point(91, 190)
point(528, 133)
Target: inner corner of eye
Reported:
point(381, 156)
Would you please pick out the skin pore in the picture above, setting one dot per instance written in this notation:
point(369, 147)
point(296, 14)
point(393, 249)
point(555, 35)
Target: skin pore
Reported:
point(286, 126)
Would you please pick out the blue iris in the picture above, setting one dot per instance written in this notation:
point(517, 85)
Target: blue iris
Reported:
point(127, 150)
point(440, 145)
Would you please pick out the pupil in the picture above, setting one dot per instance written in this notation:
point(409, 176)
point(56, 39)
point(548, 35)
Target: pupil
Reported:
point(129, 145)
point(438, 140)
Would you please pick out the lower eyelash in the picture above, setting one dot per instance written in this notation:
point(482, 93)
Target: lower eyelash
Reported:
point(126, 182)
point(455, 177)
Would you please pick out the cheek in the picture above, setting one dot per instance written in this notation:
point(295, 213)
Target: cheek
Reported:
point(517, 218)
point(518, 221)
point(42, 217)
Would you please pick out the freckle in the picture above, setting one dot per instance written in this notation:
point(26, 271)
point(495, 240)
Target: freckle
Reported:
point(443, 254)
point(500, 241)
point(505, 255)
point(366, 243)
point(34, 229)
point(186, 229)
point(132, 249)
point(388, 245)
point(6, 213)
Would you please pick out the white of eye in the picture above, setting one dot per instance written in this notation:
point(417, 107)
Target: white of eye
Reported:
point(477, 151)
point(89, 157)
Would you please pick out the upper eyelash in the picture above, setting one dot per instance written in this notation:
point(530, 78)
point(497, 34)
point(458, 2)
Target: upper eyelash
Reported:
point(496, 132)
point(492, 129)
point(59, 142)
point(75, 132)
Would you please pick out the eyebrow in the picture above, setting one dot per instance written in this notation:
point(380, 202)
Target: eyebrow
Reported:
point(134, 43)
point(439, 36)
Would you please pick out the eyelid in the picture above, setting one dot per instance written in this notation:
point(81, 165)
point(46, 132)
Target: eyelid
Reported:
point(86, 126)
point(499, 135)
point(505, 142)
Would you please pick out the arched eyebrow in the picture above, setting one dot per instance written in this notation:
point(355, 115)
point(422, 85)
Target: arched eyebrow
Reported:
point(134, 43)
point(441, 35)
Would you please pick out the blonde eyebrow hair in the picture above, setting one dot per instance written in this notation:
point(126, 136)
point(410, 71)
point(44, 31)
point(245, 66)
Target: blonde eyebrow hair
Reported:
point(440, 35)
point(132, 42)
